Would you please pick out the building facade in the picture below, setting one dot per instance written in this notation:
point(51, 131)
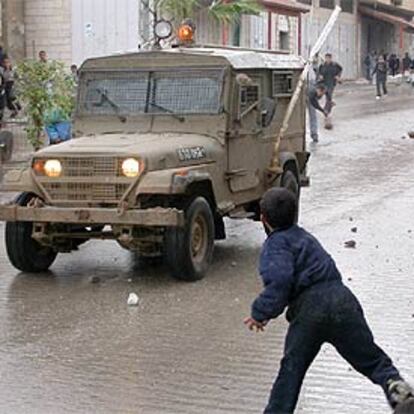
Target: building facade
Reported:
point(73, 30)
point(69, 30)
point(364, 26)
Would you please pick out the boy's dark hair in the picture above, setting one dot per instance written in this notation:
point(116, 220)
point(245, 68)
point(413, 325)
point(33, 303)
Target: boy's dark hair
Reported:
point(328, 55)
point(405, 408)
point(279, 207)
point(321, 86)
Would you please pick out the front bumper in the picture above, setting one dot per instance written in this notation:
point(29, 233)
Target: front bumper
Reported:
point(154, 217)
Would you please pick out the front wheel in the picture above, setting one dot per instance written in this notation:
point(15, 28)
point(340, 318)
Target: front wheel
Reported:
point(25, 253)
point(291, 183)
point(189, 250)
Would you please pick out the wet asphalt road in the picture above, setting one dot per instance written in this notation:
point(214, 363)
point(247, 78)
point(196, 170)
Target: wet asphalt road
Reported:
point(70, 346)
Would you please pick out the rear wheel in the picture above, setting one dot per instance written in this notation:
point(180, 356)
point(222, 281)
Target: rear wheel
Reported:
point(189, 250)
point(25, 253)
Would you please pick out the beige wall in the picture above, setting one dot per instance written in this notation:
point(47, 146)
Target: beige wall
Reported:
point(48, 26)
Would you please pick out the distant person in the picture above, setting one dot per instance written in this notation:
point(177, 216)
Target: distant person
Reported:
point(406, 62)
point(406, 66)
point(367, 65)
point(43, 56)
point(394, 64)
point(3, 55)
point(330, 73)
point(381, 71)
point(300, 275)
point(315, 93)
point(75, 73)
point(9, 77)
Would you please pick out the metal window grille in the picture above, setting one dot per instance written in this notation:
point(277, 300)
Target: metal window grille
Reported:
point(185, 94)
point(305, 1)
point(129, 93)
point(283, 84)
point(347, 6)
point(249, 95)
point(327, 4)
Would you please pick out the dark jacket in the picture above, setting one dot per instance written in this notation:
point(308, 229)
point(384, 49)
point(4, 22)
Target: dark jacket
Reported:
point(381, 70)
point(314, 99)
point(329, 72)
point(406, 63)
point(291, 262)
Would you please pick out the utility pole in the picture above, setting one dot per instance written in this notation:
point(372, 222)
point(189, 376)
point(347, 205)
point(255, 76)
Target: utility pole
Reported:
point(13, 36)
point(146, 23)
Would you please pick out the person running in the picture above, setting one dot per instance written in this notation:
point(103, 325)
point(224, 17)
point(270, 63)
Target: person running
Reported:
point(300, 275)
point(330, 73)
point(381, 71)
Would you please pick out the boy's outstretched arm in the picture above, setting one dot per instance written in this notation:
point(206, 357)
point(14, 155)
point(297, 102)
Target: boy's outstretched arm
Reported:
point(277, 271)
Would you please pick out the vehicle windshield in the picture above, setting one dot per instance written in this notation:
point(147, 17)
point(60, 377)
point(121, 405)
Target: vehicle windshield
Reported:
point(133, 93)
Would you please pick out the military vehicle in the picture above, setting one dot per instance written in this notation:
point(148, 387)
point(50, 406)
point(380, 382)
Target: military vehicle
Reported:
point(168, 143)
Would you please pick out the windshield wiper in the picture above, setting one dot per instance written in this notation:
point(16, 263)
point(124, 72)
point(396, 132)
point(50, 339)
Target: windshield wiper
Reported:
point(105, 98)
point(161, 108)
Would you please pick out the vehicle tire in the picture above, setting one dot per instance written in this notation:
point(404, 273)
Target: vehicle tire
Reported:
point(290, 182)
point(189, 250)
point(25, 253)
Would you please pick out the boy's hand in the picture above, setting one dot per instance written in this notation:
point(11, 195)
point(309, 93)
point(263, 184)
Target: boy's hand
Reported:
point(254, 325)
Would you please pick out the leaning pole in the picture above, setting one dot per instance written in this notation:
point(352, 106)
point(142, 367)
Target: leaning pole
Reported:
point(275, 167)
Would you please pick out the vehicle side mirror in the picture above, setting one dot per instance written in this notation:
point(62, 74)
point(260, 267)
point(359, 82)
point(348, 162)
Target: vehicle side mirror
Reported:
point(267, 111)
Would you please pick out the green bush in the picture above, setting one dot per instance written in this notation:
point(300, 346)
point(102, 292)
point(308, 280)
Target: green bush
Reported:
point(43, 87)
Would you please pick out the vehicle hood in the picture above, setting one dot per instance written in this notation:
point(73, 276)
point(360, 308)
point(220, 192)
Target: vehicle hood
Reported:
point(159, 151)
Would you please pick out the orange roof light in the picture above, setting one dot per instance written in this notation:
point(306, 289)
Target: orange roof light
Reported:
point(186, 32)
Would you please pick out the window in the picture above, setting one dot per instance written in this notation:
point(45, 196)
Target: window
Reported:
point(327, 4)
point(283, 84)
point(133, 93)
point(284, 41)
point(249, 96)
point(347, 6)
point(305, 2)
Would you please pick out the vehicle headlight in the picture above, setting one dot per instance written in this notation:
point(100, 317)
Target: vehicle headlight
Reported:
point(53, 168)
point(130, 168)
point(163, 29)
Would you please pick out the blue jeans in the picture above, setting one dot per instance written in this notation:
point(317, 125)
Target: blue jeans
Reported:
point(313, 121)
point(330, 313)
point(59, 132)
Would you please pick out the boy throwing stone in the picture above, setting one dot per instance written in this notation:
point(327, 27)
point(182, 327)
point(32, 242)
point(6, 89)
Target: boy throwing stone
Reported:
point(300, 275)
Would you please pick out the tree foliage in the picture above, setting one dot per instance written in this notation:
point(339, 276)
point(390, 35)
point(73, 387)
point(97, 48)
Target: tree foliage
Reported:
point(43, 87)
point(223, 11)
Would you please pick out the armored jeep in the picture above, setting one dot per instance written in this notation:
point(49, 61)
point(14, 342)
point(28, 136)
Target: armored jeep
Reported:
point(168, 143)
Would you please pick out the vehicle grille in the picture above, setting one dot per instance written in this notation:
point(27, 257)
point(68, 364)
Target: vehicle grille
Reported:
point(85, 192)
point(91, 167)
point(88, 180)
